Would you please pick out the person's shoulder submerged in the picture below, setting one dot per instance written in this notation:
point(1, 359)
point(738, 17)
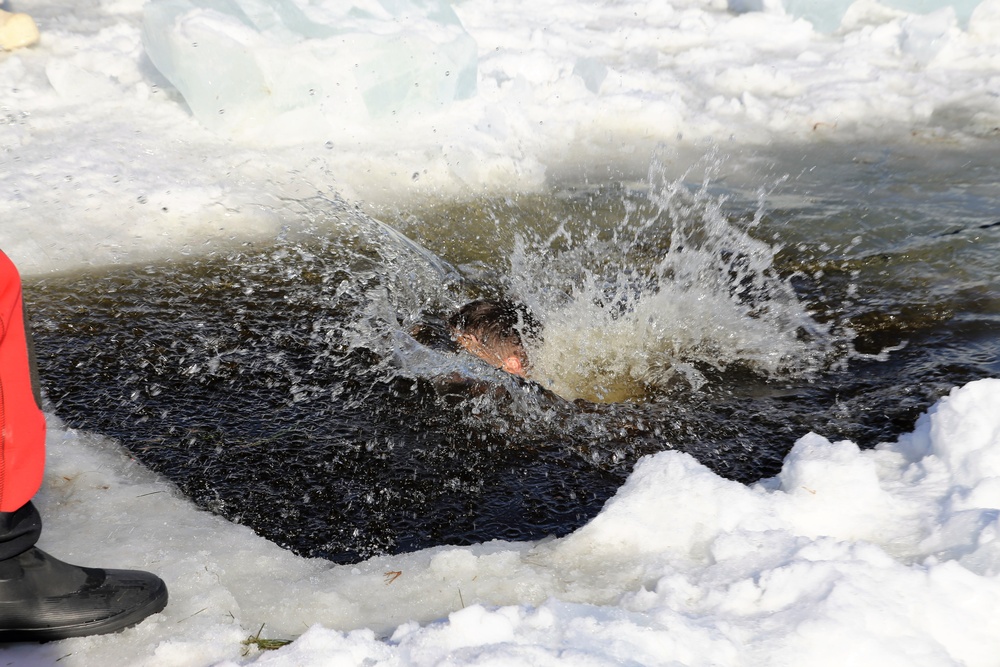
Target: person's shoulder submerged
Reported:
point(435, 334)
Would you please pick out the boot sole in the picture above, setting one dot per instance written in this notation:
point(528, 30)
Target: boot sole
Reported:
point(103, 626)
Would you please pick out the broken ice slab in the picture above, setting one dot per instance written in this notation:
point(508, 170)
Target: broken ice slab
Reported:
point(592, 71)
point(242, 64)
point(827, 15)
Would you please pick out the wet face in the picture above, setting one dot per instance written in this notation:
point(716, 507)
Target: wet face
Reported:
point(502, 357)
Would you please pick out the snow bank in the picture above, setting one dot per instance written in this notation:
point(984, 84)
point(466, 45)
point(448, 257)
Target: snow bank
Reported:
point(113, 149)
point(881, 557)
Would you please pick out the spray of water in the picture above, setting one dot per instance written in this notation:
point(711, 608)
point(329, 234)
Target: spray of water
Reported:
point(665, 297)
point(386, 284)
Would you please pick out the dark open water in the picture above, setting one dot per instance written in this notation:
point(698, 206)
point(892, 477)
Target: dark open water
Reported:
point(724, 314)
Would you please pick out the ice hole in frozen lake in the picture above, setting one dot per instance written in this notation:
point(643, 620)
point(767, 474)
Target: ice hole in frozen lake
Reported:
point(270, 384)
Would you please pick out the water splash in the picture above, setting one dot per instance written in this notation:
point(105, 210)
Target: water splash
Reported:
point(664, 297)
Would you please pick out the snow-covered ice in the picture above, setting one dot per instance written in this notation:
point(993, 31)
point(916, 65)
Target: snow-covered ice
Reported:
point(884, 557)
point(104, 160)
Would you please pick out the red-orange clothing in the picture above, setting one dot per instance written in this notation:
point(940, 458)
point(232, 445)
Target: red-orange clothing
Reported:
point(22, 424)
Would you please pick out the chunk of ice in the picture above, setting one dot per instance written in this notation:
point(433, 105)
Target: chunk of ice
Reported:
point(826, 15)
point(963, 8)
point(244, 64)
point(741, 6)
point(592, 71)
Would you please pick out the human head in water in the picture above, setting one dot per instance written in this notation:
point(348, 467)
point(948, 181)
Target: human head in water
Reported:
point(492, 330)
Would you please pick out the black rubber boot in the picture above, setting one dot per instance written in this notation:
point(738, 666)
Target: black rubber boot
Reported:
point(43, 599)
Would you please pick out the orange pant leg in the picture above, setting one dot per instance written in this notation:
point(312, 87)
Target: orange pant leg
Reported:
point(22, 424)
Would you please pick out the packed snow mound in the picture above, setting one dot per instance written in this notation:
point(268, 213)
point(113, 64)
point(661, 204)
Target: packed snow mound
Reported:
point(246, 65)
point(884, 556)
point(888, 556)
